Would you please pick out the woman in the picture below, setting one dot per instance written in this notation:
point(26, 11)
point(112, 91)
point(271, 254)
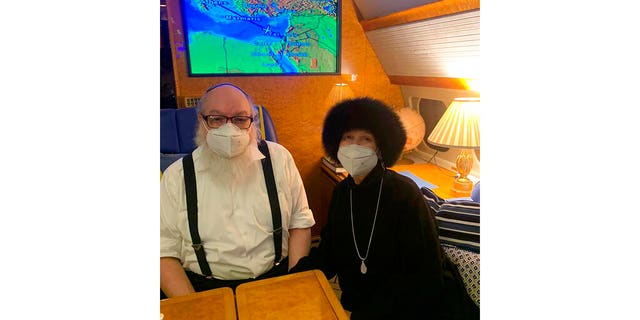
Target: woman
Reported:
point(380, 237)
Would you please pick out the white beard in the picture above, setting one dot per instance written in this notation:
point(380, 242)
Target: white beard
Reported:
point(232, 169)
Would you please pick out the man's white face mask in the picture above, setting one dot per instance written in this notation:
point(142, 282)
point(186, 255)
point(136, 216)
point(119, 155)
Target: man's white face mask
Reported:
point(357, 160)
point(227, 141)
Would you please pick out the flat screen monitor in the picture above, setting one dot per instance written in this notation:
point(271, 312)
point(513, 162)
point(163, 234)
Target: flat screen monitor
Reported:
point(261, 37)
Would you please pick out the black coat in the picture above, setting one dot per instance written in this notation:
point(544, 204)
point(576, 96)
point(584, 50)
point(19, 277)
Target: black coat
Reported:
point(404, 276)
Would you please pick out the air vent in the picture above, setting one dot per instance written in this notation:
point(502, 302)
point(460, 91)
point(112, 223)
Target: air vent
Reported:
point(190, 102)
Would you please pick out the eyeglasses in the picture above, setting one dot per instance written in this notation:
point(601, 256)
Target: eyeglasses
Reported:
point(216, 121)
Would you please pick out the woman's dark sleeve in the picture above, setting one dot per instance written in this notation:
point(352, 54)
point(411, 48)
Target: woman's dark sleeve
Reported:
point(432, 250)
point(417, 290)
point(321, 257)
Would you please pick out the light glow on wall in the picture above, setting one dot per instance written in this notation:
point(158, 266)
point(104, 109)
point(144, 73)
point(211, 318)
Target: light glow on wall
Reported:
point(472, 84)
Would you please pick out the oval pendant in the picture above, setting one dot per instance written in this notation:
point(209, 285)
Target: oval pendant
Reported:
point(363, 267)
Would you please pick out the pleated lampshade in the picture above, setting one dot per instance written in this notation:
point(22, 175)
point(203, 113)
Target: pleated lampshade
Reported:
point(459, 126)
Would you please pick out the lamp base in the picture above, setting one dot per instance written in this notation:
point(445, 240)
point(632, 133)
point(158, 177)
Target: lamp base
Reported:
point(462, 186)
point(464, 162)
point(404, 160)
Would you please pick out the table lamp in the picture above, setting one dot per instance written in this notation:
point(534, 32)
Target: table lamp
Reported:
point(339, 92)
point(459, 127)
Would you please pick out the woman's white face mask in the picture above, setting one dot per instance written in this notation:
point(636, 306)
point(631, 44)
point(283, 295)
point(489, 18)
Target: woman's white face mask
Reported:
point(357, 160)
point(227, 141)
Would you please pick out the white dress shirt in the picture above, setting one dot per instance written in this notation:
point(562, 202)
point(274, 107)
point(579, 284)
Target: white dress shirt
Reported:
point(234, 214)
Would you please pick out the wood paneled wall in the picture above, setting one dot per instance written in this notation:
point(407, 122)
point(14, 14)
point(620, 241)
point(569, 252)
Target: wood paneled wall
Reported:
point(297, 103)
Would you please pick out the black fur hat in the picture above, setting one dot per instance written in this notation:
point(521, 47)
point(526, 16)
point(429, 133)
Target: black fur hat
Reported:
point(367, 114)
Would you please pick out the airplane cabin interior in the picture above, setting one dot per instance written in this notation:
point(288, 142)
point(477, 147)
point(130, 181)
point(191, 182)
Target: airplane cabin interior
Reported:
point(421, 57)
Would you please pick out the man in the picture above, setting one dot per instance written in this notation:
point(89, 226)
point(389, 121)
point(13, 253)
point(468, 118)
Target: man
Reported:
point(234, 217)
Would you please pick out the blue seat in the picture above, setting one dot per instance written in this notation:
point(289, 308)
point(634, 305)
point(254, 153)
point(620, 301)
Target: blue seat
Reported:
point(178, 127)
point(177, 130)
point(265, 123)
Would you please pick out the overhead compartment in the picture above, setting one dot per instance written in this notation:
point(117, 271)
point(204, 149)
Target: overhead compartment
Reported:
point(439, 47)
point(435, 45)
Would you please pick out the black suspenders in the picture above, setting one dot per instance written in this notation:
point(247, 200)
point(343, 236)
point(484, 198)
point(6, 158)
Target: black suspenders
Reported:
point(192, 207)
point(276, 217)
point(192, 212)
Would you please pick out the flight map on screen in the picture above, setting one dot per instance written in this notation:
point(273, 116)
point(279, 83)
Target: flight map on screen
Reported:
point(262, 36)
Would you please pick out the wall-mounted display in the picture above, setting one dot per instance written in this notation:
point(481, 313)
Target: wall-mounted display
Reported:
point(260, 37)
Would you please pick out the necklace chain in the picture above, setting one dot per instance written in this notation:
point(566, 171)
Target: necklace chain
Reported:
point(373, 227)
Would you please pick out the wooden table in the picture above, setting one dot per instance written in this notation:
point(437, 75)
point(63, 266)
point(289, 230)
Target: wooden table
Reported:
point(441, 177)
point(436, 175)
point(216, 304)
point(305, 295)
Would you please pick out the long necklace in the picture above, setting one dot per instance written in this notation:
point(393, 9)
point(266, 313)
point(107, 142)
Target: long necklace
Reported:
point(363, 267)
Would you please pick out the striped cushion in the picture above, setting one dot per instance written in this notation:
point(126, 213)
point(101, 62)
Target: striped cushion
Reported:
point(458, 220)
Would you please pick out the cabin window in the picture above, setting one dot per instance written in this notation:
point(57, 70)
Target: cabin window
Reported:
point(431, 111)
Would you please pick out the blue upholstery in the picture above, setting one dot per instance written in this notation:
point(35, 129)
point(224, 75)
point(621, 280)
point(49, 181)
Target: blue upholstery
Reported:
point(177, 130)
point(475, 193)
point(269, 129)
point(168, 128)
point(178, 127)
